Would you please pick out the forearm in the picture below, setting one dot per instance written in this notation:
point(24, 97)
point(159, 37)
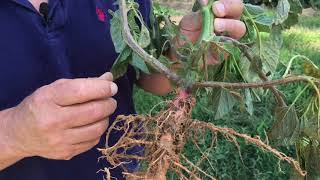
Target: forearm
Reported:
point(8, 155)
point(158, 83)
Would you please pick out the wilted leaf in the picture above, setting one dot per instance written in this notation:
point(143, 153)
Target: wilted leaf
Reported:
point(248, 102)
point(295, 6)
point(139, 63)
point(120, 66)
point(144, 39)
point(116, 32)
point(282, 11)
point(134, 27)
point(310, 69)
point(223, 102)
point(254, 10)
point(313, 162)
point(309, 155)
point(285, 130)
point(270, 52)
point(264, 23)
point(262, 20)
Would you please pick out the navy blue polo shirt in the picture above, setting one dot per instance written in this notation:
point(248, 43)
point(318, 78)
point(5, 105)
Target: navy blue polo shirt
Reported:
point(74, 43)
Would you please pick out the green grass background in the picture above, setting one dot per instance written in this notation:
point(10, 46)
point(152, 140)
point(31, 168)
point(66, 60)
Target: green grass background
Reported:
point(225, 160)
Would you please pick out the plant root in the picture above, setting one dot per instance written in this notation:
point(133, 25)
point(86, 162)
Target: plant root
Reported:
point(161, 139)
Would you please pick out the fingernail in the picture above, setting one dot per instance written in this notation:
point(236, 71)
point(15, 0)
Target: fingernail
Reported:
point(220, 9)
point(114, 89)
point(219, 25)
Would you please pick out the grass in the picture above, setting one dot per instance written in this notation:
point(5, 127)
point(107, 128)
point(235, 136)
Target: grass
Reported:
point(225, 159)
point(303, 39)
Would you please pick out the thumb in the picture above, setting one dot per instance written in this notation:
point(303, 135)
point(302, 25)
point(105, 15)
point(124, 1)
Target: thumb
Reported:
point(191, 22)
point(107, 76)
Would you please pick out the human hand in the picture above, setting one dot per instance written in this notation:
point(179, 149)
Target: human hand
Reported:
point(63, 119)
point(227, 13)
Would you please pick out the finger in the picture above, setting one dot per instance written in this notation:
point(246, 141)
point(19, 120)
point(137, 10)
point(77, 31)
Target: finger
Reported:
point(228, 8)
point(88, 113)
point(87, 133)
point(107, 76)
point(234, 28)
point(84, 147)
point(190, 27)
point(191, 22)
point(82, 90)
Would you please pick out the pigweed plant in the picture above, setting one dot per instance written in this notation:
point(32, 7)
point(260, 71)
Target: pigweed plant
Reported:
point(245, 73)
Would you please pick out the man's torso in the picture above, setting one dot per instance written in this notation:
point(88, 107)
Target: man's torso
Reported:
point(75, 42)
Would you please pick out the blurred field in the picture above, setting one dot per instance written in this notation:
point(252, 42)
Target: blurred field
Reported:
point(225, 161)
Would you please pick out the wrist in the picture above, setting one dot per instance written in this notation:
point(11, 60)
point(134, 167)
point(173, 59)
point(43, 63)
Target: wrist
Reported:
point(8, 144)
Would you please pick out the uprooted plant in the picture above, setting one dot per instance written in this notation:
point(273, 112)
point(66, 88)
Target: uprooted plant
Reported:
point(251, 64)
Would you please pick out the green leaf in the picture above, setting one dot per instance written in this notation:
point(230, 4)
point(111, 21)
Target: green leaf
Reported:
point(248, 102)
point(134, 27)
point(262, 20)
point(295, 6)
point(311, 128)
point(282, 11)
point(196, 6)
point(269, 56)
point(139, 63)
point(166, 61)
point(144, 39)
point(254, 10)
point(292, 20)
point(116, 32)
point(120, 66)
point(285, 130)
point(223, 102)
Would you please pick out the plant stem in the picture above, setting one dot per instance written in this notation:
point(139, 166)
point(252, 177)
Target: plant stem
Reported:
point(157, 65)
point(149, 59)
point(207, 23)
point(246, 51)
point(266, 84)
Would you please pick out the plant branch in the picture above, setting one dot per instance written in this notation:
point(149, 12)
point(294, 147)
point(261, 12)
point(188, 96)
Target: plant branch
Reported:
point(158, 66)
point(246, 51)
point(149, 59)
point(266, 84)
point(253, 140)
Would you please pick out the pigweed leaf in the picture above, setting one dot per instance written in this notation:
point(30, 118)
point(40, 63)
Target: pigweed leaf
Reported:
point(262, 20)
point(116, 32)
point(139, 63)
point(254, 10)
point(285, 130)
point(120, 66)
point(223, 102)
point(249, 102)
point(144, 38)
point(282, 11)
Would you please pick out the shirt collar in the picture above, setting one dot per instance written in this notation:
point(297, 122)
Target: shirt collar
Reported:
point(28, 5)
